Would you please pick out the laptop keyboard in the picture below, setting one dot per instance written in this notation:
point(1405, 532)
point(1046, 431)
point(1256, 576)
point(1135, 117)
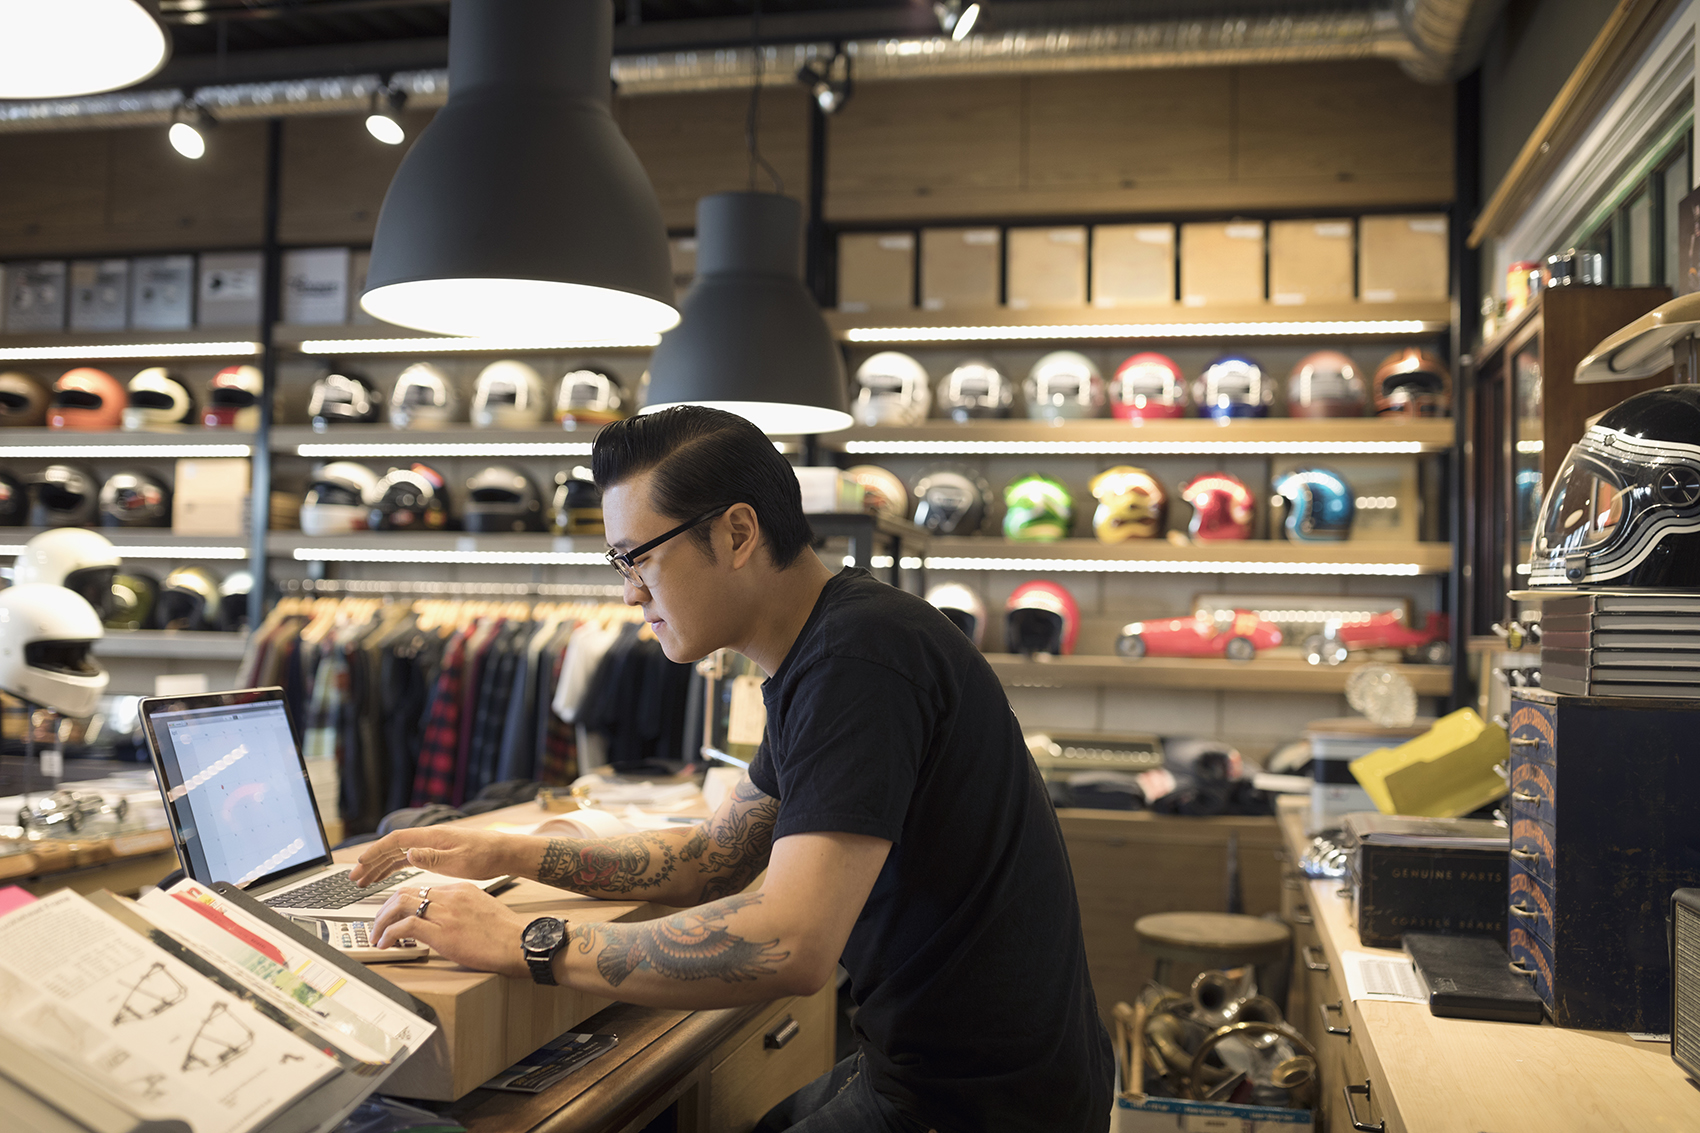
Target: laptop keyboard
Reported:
point(335, 891)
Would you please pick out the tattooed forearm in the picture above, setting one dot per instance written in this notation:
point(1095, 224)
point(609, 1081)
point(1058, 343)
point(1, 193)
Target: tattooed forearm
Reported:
point(630, 864)
point(733, 849)
point(693, 945)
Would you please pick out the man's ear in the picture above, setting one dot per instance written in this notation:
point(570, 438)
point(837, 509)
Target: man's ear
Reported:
point(742, 522)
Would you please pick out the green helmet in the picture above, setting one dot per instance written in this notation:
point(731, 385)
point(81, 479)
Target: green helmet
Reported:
point(1037, 508)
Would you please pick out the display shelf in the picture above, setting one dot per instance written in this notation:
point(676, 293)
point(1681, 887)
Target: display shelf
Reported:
point(1157, 556)
point(383, 338)
point(171, 644)
point(142, 543)
point(132, 345)
point(1264, 674)
point(354, 442)
point(1248, 436)
point(1366, 321)
point(41, 443)
point(452, 547)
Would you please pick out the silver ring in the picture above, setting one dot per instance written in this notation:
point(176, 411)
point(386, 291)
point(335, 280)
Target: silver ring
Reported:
point(424, 892)
point(423, 905)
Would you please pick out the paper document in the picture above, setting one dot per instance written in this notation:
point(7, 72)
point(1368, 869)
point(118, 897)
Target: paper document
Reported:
point(1390, 978)
point(76, 983)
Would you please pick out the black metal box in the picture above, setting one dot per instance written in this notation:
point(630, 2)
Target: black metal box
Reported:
point(1443, 875)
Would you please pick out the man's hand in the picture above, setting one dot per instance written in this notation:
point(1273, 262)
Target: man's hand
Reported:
point(476, 854)
point(463, 923)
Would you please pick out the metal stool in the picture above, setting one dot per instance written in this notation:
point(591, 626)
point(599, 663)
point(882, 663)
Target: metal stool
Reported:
point(1213, 940)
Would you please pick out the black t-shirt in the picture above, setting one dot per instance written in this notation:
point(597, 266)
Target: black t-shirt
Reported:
point(975, 1010)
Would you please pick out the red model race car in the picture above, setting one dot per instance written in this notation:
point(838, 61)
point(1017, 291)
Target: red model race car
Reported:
point(1432, 642)
point(1238, 638)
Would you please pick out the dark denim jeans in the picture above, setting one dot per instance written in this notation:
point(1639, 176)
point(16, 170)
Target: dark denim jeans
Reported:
point(839, 1101)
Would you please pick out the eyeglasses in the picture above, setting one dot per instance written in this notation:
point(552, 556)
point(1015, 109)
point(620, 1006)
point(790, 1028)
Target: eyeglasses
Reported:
point(626, 561)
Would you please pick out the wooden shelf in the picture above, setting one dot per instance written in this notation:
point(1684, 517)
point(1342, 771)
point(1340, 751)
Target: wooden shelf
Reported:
point(971, 325)
point(129, 345)
point(380, 440)
point(1234, 556)
point(130, 539)
point(170, 643)
point(359, 336)
point(42, 443)
point(1264, 674)
point(1267, 436)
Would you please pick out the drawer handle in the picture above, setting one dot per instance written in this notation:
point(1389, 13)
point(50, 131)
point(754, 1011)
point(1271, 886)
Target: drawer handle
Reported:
point(1528, 914)
point(1313, 964)
point(1301, 916)
point(1520, 969)
point(1502, 771)
point(783, 1032)
point(1352, 1111)
point(1325, 1008)
point(1526, 797)
point(1524, 741)
point(1526, 855)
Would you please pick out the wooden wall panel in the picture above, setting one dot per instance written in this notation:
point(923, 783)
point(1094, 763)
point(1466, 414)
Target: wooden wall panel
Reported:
point(693, 144)
point(1129, 130)
point(335, 176)
point(157, 198)
point(55, 197)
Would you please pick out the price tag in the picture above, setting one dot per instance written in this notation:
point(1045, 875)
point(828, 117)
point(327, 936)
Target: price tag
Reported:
point(53, 763)
point(747, 719)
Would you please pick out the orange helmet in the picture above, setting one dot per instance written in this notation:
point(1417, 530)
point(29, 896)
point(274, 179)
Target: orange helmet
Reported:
point(1413, 382)
point(88, 400)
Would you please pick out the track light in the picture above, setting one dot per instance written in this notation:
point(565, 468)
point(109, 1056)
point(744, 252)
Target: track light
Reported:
point(957, 19)
point(189, 123)
point(829, 93)
point(383, 119)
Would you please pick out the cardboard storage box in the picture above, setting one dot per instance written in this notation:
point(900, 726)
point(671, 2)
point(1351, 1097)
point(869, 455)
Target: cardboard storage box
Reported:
point(35, 296)
point(210, 497)
point(827, 491)
point(1222, 263)
point(960, 267)
point(100, 294)
point(1402, 258)
point(1133, 265)
point(162, 292)
point(1426, 875)
point(1047, 267)
point(315, 286)
point(876, 271)
point(1310, 261)
point(230, 287)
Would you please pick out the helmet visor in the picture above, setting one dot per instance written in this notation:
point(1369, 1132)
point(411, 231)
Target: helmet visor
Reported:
point(1590, 502)
point(70, 657)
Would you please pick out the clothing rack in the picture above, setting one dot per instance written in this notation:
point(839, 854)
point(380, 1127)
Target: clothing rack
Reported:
point(416, 589)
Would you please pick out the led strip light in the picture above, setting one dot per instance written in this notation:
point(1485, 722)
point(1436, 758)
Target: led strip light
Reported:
point(1131, 448)
point(492, 558)
point(121, 452)
point(1146, 566)
point(1137, 330)
point(147, 552)
point(426, 345)
point(121, 350)
point(416, 449)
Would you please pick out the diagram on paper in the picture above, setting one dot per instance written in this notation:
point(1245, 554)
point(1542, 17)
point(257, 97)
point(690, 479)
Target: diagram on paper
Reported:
point(222, 1039)
point(158, 990)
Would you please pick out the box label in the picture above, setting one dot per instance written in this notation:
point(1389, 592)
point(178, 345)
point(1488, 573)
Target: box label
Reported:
point(1429, 226)
point(1333, 229)
point(1288, 298)
point(1068, 235)
point(900, 242)
point(980, 236)
point(1243, 231)
point(1381, 295)
point(1158, 235)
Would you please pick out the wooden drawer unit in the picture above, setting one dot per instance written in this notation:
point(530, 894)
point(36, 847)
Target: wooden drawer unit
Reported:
point(1593, 866)
point(769, 1059)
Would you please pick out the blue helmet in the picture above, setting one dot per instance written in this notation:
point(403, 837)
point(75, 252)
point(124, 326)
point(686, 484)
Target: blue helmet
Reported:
point(1233, 386)
point(1319, 505)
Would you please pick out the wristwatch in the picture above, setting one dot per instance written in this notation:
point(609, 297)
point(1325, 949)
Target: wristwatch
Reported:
point(541, 939)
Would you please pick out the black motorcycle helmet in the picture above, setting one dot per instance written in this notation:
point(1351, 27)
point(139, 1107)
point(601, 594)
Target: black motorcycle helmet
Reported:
point(577, 506)
point(133, 498)
point(14, 501)
point(233, 600)
point(63, 496)
point(188, 600)
point(411, 499)
point(1624, 509)
point(501, 498)
point(343, 399)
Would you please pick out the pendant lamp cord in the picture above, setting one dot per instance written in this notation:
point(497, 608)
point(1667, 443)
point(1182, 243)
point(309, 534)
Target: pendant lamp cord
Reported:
point(752, 120)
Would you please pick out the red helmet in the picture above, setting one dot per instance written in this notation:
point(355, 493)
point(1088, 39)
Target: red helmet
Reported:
point(233, 398)
point(1222, 507)
point(1148, 386)
point(88, 400)
point(1325, 384)
point(1041, 617)
point(1413, 382)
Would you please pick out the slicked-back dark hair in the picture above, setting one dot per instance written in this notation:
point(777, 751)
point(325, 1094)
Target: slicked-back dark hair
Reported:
point(703, 458)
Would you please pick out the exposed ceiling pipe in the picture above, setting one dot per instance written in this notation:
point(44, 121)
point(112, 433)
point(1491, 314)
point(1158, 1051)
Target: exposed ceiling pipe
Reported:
point(1448, 35)
point(1198, 42)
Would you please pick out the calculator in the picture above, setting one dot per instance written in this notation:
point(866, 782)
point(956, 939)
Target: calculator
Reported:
point(354, 940)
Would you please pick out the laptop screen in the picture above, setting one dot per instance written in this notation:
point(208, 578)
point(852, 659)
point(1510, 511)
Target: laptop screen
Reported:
point(236, 787)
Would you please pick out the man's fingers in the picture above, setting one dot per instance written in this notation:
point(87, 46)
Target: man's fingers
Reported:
point(408, 928)
point(424, 857)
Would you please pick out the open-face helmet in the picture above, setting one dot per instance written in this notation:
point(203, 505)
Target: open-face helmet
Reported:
point(963, 607)
point(1131, 505)
point(591, 398)
point(338, 499)
point(23, 399)
point(501, 498)
point(343, 398)
point(423, 398)
point(1064, 385)
point(233, 398)
point(974, 389)
point(87, 400)
point(1147, 386)
point(952, 500)
point(1041, 617)
point(188, 600)
point(1233, 386)
point(1624, 509)
point(1319, 505)
point(77, 559)
point(14, 501)
point(415, 498)
point(233, 599)
point(159, 400)
point(133, 498)
point(891, 389)
point(134, 594)
point(1222, 507)
point(1325, 384)
point(46, 638)
point(882, 492)
point(1037, 509)
point(577, 506)
point(63, 496)
point(507, 395)
point(1414, 383)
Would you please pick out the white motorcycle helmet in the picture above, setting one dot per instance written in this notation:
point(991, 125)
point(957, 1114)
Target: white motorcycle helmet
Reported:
point(508, 395)
point(963, 607)
point(423, 398)
point(75, 558)
point(892, 389)
point(45, 637)
point(159, 400)
point(338, 499)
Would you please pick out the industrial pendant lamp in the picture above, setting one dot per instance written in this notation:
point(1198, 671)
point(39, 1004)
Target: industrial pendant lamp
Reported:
point(521, 211)
point(751, 340)
point(61, 48)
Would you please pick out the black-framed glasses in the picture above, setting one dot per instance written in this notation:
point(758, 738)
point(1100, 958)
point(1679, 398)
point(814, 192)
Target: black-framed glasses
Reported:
point(626, 561)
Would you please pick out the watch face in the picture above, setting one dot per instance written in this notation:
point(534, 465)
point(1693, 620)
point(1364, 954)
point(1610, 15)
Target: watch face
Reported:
point(543, 935)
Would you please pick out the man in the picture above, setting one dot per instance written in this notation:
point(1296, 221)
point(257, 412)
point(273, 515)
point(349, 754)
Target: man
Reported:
point(902, 825)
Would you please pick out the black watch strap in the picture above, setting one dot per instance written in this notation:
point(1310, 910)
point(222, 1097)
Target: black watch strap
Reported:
point(541, 939)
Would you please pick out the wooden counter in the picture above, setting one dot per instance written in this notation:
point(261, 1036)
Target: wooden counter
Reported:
point(122, 863)
point(1432, 1075)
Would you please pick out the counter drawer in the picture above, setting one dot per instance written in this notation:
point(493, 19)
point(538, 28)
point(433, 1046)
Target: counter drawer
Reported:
point(770, 1059)
point(1531, 731)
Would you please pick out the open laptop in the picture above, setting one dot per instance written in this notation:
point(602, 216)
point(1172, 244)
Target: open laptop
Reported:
point(241, 806)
